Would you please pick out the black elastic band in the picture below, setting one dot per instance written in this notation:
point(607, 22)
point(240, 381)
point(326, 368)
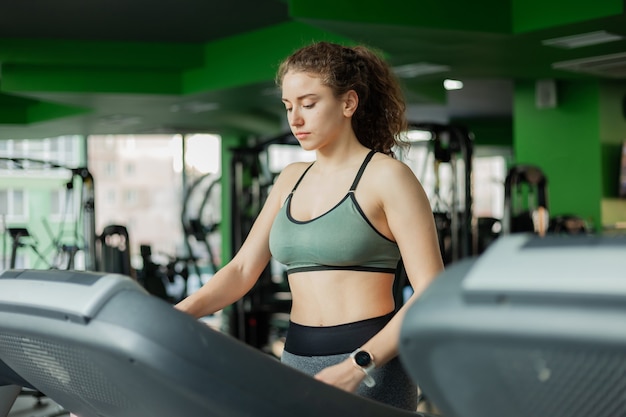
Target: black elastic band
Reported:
point(301, 176)
point(360, 268)
point(362, 169)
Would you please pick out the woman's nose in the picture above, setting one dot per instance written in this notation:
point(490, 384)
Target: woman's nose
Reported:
point(295, 118)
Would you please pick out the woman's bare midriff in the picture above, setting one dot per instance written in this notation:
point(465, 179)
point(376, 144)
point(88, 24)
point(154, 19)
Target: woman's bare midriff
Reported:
point(329, 298)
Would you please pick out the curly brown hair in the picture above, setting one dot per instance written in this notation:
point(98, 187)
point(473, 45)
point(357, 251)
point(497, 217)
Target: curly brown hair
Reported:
point(380, 117)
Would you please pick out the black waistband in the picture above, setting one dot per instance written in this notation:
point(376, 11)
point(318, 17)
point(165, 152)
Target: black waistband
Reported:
point(340, 268)
point(332, 340)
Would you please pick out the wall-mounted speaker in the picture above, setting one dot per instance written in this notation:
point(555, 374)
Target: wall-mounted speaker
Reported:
point(545, 94)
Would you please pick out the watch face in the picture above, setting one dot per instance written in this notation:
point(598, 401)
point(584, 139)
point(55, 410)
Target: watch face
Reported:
point(362, 358)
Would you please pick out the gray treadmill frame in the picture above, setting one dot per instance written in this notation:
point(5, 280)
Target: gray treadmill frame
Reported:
point(103, 347)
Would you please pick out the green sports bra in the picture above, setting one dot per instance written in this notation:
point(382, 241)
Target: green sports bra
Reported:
point(340, 239)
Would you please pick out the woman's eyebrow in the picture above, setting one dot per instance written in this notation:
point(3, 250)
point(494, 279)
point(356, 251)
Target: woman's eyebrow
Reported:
point(301, 97)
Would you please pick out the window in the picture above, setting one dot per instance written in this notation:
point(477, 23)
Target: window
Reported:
point(13, 204)
point(63, 204)
point(18, 208)
point(489, 169)
point(150, 203)
point(110, 169)
point(488, 181)
point(130, 169)
point(110, 197)
point(63, 150)
point(4, 202)
point(21, 262)
point(130, 197)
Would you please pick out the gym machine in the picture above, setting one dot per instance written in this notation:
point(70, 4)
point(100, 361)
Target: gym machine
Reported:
point(200, 218)
point(525, 201)
point(451, 145)
point(101, 346)
point(532, 327)
point(259, 315)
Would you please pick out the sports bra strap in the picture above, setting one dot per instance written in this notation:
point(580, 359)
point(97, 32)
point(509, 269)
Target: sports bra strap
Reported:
point(301, 176)
point(360, 173)
point(356, 180)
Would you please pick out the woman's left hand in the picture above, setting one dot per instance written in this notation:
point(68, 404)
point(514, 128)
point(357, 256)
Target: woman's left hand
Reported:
point(344, 376)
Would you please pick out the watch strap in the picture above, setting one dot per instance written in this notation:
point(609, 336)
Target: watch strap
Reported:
point(368, 380)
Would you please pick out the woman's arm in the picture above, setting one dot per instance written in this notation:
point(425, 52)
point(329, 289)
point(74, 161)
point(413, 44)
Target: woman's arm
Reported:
point(238, 276)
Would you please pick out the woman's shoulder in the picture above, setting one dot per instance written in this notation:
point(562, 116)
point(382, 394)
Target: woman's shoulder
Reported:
point(389, 176)
point(388, 167)
point(290, 174)
point(294, 169)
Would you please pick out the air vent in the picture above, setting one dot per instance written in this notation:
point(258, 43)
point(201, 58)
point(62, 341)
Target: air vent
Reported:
point(584, 39)
point(418, 69)
point(609, 66)
point(120, 120)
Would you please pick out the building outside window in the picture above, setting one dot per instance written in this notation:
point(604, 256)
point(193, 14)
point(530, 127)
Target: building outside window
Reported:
point(34, 178)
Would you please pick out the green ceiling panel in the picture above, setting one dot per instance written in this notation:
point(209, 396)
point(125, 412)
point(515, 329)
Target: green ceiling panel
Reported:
point(42, 111)
point(13, 109)
point(251, 57)
point(13, 116)
point(9, 100)
point(105, 54)
point(431, 91)
point(531, 15)
point(21, 110)
point(29, 78)
point(486, 15)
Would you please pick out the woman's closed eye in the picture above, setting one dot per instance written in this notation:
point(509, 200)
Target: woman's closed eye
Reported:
point(304, 106)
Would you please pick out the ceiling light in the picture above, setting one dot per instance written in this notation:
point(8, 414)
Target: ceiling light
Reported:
point(120, 120)
point(271, 92)
point(419, 135)
point(194, 107)
point(452, 84)
point(584, 39)
point(611, 66)
point(417, 69)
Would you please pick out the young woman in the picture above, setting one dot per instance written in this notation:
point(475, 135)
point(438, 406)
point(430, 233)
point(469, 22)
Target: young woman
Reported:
point(340, 225)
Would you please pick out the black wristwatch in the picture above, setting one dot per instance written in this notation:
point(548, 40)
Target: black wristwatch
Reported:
point(364, 361)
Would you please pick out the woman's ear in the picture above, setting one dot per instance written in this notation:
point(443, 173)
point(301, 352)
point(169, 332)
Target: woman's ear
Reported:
point(350, 103)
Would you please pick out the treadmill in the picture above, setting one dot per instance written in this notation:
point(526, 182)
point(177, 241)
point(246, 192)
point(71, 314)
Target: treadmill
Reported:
point(534, 327)
point(100, 346)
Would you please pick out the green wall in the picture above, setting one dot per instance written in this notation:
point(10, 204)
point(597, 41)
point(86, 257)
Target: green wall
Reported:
point(565, 143)
point(612, 132)
point(612, 135)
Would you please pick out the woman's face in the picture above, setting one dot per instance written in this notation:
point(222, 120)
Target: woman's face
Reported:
point(316, 117)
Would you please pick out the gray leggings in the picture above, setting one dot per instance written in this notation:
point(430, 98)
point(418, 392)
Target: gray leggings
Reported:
point(393, 385)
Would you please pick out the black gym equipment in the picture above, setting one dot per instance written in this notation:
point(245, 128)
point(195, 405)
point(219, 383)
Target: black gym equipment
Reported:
point(101, 346)
point(200, 218)
point(20, 238)
point(534, 327)
point(452, 145)
point(113, 250)
point(525, 200)
point(568, 224)
point(252, 319)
